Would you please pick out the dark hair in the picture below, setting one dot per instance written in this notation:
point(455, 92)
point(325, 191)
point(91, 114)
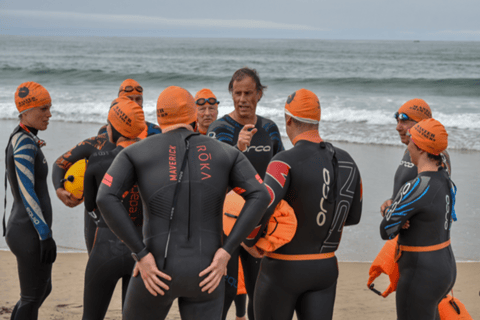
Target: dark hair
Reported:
point(240, 74)
point(437, 158)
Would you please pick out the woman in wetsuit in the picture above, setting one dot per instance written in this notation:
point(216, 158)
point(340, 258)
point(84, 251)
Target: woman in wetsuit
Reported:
point(28, 232)
point(425, 257)
point(110, 260)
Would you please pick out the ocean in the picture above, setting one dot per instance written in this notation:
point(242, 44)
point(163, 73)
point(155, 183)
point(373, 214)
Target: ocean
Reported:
point(360, 83)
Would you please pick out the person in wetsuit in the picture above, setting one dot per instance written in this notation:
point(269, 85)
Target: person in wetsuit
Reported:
point(132, 90)
point(29, 229)
point(182, 177)
point(110, 260)
point(259, 139)
point(323, 186)
point(426, 262)
point(207, 109)
point(409, 114)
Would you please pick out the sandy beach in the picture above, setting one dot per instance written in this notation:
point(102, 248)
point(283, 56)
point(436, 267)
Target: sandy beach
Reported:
point(354, 299)
point(360, 244)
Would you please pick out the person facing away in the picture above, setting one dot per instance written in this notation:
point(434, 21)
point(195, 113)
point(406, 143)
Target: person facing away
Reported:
point(182, 177)
point(421, 215)
point(110, 260)
point(323, 186)
point(259, 139)
point(29, 229)
point(83, 150)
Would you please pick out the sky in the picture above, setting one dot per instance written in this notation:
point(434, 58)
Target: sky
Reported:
point(302, 19)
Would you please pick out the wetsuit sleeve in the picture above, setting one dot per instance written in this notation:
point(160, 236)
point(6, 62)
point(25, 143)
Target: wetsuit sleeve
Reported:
point(119, 178)
point(81, 151)
point(355, 212)
point(245, 181)
point(90, 187)
point(277, 139)
point(409, 201)
point(24, 153)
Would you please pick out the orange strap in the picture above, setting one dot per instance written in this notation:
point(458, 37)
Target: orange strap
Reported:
point(300, 257)
point(434, 247)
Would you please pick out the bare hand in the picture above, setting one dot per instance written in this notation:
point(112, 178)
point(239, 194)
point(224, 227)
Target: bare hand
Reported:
point(245, 136)
point(384, 206)
point(253, 251)
point(406, 225)
point(136, 271)
point(67, 198)
point(150, 275)
point(217, 270)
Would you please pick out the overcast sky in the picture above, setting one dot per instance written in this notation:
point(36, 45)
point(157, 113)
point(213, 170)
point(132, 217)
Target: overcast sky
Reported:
point(307, 19)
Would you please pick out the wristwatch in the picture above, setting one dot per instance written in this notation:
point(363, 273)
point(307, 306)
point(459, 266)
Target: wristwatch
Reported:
point(138, 256)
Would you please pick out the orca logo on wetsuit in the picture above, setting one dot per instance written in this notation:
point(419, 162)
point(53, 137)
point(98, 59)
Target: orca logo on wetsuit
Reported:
point(322, 215)
point(398, 199)
point(258, 148)
point(447, 211)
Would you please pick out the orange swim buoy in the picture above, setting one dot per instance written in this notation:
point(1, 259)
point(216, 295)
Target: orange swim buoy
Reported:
point(73, 181)
point(241, 289)
point(281, 226)
point(385, 262)
point(451, 308)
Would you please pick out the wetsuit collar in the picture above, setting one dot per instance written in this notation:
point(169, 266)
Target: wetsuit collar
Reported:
point(33, 133)
point(128, 142)
point(177, 126)
point(311, 135)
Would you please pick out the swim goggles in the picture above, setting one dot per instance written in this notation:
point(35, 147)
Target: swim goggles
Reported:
point(211, 101)
point(131, 89)
point(402, 116)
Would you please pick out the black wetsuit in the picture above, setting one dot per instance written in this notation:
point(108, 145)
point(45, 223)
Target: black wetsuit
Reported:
point(323, 186)
point(266, 143)
point(407, 171)
point(30, 220)
point(425, 277)
point(195, 231)
point(109, 260)
point(84, 150)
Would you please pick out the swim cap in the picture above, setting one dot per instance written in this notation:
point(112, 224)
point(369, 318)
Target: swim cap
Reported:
point(417, 109)
point(126, 117)
point(205, 94)
point(130, 87)
point(430, 136)
point(303, 105)
point(31, 95)
point(175, 106)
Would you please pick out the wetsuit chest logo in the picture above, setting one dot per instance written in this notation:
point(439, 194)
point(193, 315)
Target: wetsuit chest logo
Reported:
point(258, 148)
point(322, 215)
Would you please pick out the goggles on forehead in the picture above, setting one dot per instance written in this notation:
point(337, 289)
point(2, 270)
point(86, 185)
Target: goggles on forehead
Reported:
point(402, 116)
point(210, 101)
point(131, 89)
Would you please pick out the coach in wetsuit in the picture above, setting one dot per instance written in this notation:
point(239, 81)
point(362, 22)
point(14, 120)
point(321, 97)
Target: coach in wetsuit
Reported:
point(426, 261)
point(323, 186)
point(110, 260)
point(28, 232)
point(259, 139)
point(409, 114)
point(132, 90)
point(182, 177)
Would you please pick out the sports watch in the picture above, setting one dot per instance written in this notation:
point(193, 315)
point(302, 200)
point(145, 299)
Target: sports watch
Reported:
point(138, 256)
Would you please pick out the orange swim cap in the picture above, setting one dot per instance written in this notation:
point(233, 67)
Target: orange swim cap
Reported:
point(417, 109)
point(175, 106)
point(303, 105)
point(430, 136)
point(31, 95)
point(130, 87)
point(126, 117)
point(205, 94)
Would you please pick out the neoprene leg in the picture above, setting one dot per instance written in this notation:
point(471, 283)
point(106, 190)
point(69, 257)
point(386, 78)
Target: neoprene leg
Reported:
point(231, 282)
point(240, 304)
point(251, 266)
point(316, 304)
point(206, 307)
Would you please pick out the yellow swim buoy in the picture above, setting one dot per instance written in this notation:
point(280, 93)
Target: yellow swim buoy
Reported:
point(73, 181)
